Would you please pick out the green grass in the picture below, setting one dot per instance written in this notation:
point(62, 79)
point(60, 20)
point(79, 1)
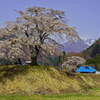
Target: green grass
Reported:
point(85, 75)
point(51, 97)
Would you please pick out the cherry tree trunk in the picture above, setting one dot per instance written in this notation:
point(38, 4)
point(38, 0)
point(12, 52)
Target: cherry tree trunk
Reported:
point(34, 60)
point(34, 56)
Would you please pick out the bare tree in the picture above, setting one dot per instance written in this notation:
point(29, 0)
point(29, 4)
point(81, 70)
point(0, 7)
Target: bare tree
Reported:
point(37, 30)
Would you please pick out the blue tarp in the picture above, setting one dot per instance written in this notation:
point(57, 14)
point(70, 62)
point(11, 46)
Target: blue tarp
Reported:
point(86, 69)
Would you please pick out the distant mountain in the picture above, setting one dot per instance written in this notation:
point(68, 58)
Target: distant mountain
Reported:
point(89, 41)
point(77, 46)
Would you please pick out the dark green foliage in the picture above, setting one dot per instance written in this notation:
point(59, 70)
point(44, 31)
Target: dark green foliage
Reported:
point(15, 62)
point(59, 59)
point(94, 62)
point(89, 61)
point(95, 50)
point(63, 56)
point(5, 62)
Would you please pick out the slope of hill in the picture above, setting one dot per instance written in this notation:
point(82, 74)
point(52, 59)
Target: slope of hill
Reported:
point(93, 50)
point(43, 80)
point(77, 46)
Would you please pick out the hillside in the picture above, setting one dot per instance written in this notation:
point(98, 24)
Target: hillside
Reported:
point(44, 80)
point(93, 51)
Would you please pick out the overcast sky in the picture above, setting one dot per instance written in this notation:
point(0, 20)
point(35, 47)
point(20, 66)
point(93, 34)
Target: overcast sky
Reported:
point(83, 14)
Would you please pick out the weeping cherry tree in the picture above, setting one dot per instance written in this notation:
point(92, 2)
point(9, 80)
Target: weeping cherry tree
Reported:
point(36, 32)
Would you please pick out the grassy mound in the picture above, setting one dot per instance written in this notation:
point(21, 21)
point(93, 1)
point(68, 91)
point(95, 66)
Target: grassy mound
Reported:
point(44, 80)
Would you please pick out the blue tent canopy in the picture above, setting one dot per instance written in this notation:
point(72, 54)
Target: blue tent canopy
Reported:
point(86, 69)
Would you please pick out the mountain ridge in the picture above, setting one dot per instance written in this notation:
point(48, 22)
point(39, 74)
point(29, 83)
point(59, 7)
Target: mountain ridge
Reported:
point(89, 41)
point(78, 45)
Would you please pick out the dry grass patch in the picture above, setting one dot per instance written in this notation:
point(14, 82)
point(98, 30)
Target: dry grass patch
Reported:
point(43, 80)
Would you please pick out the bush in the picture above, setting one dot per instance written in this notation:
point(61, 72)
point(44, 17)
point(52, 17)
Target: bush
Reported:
point(15, 62)
point(5, 62)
